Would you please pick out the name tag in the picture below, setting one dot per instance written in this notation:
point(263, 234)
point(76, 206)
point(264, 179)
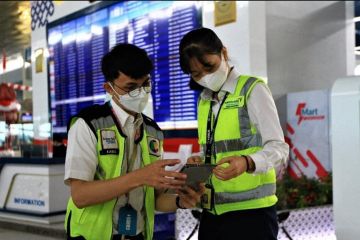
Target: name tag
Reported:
point(127, 221)
point(234, 102)
point(108, 142)
point(207, 199)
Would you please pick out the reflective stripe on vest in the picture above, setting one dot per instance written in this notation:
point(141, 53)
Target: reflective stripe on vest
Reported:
point(154, 132)
point(245, 127)
point(101, 123)
point(259, 192)
point(236, 144)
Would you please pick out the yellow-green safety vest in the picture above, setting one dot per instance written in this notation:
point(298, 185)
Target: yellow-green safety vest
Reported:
point(96, 222)
point(235, 135)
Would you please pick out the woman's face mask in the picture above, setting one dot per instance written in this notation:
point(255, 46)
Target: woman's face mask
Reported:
point(215, 80)
point(133, 102)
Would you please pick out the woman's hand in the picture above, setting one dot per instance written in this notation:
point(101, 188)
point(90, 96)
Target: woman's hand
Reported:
point(194, 160)
point(188, 197)
point(154, 175)
point(236, 166)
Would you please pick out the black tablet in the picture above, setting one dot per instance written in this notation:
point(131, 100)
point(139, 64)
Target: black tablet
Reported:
point(197, 173)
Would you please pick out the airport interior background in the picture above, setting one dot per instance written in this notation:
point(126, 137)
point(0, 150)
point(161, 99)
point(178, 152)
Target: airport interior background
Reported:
point(308, 52)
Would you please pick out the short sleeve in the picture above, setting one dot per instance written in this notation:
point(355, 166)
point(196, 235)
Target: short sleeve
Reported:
point(81, 157)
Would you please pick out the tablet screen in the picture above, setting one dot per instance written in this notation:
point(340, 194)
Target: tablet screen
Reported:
point(197, 173)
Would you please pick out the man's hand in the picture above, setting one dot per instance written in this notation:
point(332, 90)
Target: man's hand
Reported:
point(236, 167)
point(154, 175)
point(188, 197)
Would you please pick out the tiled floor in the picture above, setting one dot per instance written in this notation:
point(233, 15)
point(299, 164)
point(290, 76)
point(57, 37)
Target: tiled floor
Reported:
point(10, 234)
point(313, 223)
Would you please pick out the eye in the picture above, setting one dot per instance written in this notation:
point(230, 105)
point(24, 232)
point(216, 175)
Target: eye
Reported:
point(209, 67)
point(132, 87)
point(146, 84)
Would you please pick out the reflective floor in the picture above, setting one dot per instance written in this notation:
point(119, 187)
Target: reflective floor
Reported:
point(10, 234)
point(19, 227)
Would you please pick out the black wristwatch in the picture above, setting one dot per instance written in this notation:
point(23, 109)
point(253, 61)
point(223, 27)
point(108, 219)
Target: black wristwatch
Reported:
point(177, 202)
point(250, 168)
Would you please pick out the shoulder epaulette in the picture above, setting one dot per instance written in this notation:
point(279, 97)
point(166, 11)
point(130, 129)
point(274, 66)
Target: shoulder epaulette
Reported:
point(151, 122)
point(90, 113)
point(93, 112)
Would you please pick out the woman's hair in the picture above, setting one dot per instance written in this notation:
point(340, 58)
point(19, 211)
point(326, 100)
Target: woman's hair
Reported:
point(198, 43)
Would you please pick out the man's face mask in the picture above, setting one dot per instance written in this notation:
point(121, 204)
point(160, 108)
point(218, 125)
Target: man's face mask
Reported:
point(135, 100)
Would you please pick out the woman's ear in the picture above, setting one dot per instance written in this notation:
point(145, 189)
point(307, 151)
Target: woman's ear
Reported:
point(225, 53)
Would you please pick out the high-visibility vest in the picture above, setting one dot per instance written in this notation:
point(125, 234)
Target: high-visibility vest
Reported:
point(235, 135)
point(96, 221)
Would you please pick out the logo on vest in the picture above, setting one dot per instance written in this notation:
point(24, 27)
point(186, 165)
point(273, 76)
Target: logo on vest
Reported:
point(154, 146)
point(234, 102)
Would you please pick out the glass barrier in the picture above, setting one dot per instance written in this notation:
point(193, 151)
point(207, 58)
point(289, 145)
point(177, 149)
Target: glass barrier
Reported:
point(17, 140)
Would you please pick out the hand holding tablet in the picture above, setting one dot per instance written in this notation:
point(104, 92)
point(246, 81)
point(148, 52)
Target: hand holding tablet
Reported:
point(197, 173)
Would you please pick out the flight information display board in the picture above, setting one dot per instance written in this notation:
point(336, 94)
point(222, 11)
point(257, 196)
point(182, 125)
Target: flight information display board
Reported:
point(77, 44)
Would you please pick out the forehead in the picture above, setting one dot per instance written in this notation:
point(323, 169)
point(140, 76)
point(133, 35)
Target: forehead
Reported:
point(196, 64)
point(126, 80)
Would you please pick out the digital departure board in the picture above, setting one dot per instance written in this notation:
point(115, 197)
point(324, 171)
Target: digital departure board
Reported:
point(77, 44)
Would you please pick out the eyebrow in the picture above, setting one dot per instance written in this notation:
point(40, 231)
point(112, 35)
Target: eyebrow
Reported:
point(130, 84)
point(205, 64)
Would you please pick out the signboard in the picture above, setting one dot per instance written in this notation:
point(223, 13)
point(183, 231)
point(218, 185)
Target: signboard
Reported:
point(308, 133)
point(225, 12)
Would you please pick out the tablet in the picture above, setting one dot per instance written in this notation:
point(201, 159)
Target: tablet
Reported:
point(197, 173)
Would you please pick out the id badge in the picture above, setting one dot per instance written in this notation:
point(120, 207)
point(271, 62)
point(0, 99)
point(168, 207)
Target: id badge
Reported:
point(127, 221)
point(207, 197)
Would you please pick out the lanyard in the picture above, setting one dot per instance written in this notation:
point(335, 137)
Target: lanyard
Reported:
point(210, 132)
point(130, 160)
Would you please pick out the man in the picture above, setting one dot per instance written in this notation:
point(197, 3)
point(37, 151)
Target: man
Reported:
point(111, 161)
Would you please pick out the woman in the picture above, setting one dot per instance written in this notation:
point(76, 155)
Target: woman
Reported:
point(239, 130)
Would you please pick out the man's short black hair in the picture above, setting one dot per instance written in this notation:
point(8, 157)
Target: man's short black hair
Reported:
point(128, 59)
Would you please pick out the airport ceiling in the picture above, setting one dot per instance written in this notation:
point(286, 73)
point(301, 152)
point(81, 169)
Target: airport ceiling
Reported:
point(15, 26)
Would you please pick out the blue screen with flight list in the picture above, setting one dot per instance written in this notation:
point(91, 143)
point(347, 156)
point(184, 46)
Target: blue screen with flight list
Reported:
point(77, 45)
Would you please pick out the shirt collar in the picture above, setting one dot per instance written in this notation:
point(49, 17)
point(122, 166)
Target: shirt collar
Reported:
point(125, 117)
point(229, 86)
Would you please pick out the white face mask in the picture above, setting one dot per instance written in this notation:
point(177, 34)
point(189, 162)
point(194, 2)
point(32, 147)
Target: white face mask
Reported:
point(215, 80)
point(135, 104)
